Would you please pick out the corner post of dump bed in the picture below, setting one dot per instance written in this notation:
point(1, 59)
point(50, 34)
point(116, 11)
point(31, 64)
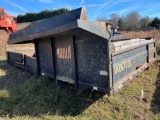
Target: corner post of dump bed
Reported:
point(54, 54)
point(148, 56)
point(155, 45)
point(110, 68)
point(109, 50)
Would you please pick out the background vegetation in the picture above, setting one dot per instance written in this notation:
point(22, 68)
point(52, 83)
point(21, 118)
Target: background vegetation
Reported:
point(133, 21)
point(29, 17)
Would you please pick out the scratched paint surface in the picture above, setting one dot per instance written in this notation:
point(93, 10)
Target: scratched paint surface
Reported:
point(44, 52)
point(127, 62)
point(91, 59)
point(31, 63)
point(64, 57)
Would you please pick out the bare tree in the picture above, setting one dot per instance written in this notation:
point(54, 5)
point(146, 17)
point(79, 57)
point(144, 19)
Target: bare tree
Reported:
point(114, 18)
point(104, 19)
point(132, 20)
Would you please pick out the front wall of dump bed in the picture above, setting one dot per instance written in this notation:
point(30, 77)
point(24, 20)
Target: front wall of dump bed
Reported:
point(92, 60)
point(44, 57)
point(127, 62)
point(65, 68)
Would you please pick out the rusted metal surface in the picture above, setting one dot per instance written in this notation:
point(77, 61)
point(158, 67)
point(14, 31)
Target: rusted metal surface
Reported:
point(78, 51)
point(80, 59)
point(65, 59)
point(83, 14)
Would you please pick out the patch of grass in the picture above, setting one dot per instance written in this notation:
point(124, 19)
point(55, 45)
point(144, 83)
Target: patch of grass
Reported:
point(4, 93)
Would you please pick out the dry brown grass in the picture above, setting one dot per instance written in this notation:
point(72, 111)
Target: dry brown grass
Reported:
point(22, 25)
point(142, 34)
point(3, 42)
point(27, 49)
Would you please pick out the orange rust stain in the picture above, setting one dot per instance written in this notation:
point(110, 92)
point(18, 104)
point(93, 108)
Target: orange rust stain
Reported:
point(84, 15)
point(64, 52)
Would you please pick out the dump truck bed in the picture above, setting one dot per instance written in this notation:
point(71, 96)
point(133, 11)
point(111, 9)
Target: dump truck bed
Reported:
point(75, 50)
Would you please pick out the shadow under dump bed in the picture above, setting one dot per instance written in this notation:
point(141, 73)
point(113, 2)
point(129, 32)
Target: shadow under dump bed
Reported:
point(72, 49)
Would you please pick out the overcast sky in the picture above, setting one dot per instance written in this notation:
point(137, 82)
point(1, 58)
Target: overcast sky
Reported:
point(95, 8)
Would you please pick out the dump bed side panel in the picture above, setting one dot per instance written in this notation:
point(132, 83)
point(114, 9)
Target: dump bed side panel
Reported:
point(30, 63)
point(92, 64)
point(45, 57)
point(128, 64)
point(15, 57)
point(23, 61)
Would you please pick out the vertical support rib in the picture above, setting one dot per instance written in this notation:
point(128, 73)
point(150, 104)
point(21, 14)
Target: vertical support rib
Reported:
point(109, 50)
point(155, 54)
point(54, 54)
point(36, 54)
point(75, 64)
point(148, 58)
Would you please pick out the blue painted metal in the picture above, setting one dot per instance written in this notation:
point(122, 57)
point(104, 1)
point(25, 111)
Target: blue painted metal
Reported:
point(127, 62)
point(15, 57)
point(30, 63)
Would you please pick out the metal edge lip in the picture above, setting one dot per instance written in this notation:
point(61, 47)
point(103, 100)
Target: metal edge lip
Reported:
point(128, 49)
point(53, 31)
point(95, 27)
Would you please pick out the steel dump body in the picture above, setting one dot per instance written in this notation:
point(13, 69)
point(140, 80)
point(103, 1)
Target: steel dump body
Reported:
point(75, 50)
point(130, 58)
